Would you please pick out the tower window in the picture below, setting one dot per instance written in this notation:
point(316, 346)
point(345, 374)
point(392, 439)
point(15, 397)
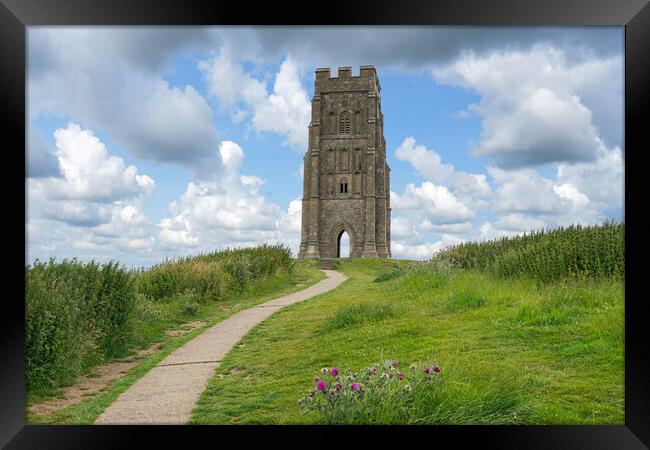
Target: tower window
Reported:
point(344, 187)
point(344, 122)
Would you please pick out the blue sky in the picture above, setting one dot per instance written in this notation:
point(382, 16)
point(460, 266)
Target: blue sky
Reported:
point(145, 143)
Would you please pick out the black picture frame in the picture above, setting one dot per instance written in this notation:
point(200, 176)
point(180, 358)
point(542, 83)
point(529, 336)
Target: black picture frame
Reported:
point(634, 15)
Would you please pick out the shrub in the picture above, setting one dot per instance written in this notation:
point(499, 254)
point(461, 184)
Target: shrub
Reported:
point(189, 309)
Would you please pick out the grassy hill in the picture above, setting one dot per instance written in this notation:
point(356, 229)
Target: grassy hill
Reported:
point(532, 345)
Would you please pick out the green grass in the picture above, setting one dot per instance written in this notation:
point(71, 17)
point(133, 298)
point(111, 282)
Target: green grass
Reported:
point(356, 314)
point(170, 316)
point(513, 350)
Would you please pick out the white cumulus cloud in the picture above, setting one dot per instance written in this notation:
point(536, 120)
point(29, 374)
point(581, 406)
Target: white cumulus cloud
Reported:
point(531, 105)
point(228, 210)
point(89, 173)
point(286, 110)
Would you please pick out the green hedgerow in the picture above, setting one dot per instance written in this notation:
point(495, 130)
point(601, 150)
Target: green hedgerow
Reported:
point(80, 314)
point(546, 255)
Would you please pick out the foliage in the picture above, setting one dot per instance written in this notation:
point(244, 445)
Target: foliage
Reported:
point(214, 276)
point(354, 314)
point(189, 309)
point(546, 255)
point(80, 314)
point(75, 315)
point(372, 396)
point(389, 274)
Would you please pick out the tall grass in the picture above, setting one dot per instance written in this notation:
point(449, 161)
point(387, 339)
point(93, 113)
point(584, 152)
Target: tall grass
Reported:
point(76, 314)
point(547, 255)
point(80, 314)
point(215, 275)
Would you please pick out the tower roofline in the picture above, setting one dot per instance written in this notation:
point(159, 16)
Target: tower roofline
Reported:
point(365, 71)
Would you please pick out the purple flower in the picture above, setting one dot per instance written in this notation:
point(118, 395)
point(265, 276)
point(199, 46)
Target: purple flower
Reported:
point(436, 369)
point(334, 372)
point(428, 370)
point(374, 369)
point(401, 376)
point(321, 386)
point(355, 386)
point(338, 387)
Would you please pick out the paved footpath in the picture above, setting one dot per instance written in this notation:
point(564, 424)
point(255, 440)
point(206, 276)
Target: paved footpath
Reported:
point(168, 393)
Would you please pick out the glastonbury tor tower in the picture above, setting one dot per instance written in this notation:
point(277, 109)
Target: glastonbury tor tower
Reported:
point(346, 184)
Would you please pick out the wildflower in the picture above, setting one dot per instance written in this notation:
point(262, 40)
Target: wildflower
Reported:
point(338, 387)
point(401, 376)
point(373, 369)
point(324, 370)
point(436, 369)
point(334, 372)
point(321, 386)
point(428, 370)
point(355, 387)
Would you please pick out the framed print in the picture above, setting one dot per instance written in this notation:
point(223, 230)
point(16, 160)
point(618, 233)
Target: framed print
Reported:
point(369, 218)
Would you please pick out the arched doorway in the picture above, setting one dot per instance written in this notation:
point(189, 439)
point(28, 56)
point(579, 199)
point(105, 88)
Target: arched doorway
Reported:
point(343, 245)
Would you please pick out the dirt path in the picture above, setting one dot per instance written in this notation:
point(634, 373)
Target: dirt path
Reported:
point(91, 384)
point(168, 393)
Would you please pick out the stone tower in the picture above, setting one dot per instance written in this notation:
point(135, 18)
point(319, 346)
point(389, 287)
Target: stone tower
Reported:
point(346, 179)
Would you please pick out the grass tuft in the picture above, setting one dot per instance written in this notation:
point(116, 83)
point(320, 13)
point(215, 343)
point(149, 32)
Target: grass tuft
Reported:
point(348, 316)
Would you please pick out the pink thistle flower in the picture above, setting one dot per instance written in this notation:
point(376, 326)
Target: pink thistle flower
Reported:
point(355, 387)
point(401, 376)
point(334, 372)
point(321, 386)
point(428, 370)
point(437, 369)
point(374, 369)
point(338, 387)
